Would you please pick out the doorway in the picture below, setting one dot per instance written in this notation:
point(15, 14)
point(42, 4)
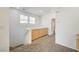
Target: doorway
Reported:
point(53, 26)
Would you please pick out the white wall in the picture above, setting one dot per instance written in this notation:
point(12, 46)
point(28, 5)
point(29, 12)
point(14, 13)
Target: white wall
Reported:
point(46, 22)
point(4, 29)
point(17, 30)
point(67, 26)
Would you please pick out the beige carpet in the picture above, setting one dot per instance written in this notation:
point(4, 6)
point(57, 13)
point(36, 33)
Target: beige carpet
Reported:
point(44, 44)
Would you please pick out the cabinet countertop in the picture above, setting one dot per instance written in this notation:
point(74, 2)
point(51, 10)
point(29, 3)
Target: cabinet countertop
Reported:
point(35, 28)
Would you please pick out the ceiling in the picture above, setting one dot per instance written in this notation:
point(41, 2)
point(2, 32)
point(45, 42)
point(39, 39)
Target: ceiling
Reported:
point(39, 10)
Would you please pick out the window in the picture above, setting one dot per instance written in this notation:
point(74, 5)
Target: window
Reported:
point(27, 19)
point(23, 19)
point(31, 20)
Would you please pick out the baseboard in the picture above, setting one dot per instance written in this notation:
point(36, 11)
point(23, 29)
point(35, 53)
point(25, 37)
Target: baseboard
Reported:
point(68, 47)
point(11, 48)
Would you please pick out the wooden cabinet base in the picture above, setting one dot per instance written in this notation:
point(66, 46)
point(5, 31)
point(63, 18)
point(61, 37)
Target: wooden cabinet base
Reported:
point(37, 33)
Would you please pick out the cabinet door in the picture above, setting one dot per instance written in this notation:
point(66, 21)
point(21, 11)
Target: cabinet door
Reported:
point(35, 34)
point(45, 31)
point(41, 33)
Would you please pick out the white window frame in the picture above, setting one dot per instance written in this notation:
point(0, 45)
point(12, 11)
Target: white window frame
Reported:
point(31, 20)
point(23, 19)
point(27, 19)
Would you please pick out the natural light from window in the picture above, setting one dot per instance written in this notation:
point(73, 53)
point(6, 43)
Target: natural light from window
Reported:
point(27, 19)
point(31, 20)
point(23, 19)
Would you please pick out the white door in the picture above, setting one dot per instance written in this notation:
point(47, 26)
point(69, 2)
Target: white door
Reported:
point(4, 29)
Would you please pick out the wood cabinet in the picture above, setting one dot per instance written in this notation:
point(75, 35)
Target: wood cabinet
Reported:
point(77, 42)
point(37, 33)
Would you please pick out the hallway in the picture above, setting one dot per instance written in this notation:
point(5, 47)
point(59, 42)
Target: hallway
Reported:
point(44, 44)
